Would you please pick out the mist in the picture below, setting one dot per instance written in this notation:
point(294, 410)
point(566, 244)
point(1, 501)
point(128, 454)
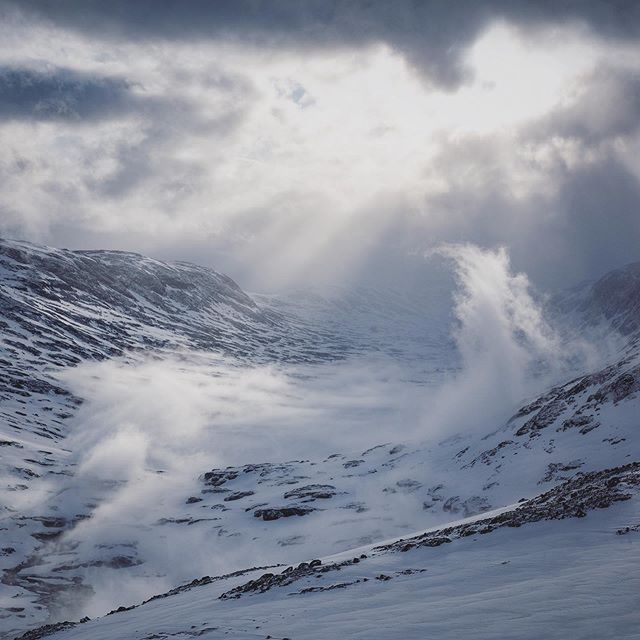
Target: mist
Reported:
point(507, 349)
point(151, 425)
point(149, 428)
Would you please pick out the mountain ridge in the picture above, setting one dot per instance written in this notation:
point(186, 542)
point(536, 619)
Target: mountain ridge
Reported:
point(59, 310)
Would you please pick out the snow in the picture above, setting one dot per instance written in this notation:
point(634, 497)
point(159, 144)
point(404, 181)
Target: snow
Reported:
point(180, 374)
point(551, 580)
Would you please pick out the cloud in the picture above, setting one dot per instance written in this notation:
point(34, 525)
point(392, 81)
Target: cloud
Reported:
point(599, 226)
point(55, 171)
point(507, 348)
point(267, 142)
point(606, 106)
point(567, 225)
point(433, 35)
point(61, 94)
point(150, 426)
point(561, 190)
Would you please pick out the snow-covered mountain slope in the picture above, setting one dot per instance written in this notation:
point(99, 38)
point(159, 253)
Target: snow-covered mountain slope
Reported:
point(63, 308)
point(411, 326)
point(75, 543)
point(555, 566)
point(612, 301)
point(59, 308)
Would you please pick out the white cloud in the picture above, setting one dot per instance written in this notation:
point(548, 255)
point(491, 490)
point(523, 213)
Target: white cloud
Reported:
point(280, 167)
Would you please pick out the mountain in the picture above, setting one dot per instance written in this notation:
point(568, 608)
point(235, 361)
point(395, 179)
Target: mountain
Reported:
point(525, 570)
point(613, 300)
point(513, 518)
point(60, 308)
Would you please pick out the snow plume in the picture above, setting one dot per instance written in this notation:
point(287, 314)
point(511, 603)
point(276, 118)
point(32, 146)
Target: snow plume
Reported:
point(149, 428)
point(506, 347)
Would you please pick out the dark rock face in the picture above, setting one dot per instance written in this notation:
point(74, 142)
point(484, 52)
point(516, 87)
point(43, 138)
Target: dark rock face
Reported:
point(469, 507)
point(452, 505)
point(408, 485)
point(631, 529)
point(571, 499)
point(117, 562)
point(475, 504)
point(486, 457)
point(620, 388)
point(312, 492)
point(46, 630)
point(290, 575)
point(545, 416)
point(217, 478)
point(330, 587)
point(611, 384)
point(556, 469)
point(238, 495)
point(281, 512)
point(583, 423)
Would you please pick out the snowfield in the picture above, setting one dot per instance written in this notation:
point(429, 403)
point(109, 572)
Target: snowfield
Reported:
point(161, 428)
point(549, 579)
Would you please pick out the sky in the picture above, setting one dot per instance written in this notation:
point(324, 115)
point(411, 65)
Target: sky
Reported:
point(288, 143)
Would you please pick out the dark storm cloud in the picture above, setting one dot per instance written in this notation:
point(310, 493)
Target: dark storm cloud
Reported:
point(432, 34)
point(71, 98)
point(599, 225)
point(61, 94)
point(608, 106)
point(583, 220)
point(592, 223)
point(580, 219)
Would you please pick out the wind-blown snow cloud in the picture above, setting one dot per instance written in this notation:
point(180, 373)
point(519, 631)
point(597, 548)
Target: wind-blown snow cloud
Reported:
point(148, 429)
point(150, 426)
point(507, 348)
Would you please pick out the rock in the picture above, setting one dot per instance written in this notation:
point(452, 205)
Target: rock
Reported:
point(571, 499)
point(475, 504)
point(46, 630)
point(408, 485)
point(238, 495)
point(312, 492)
point(288, 576)
point(217, 478)
point(555, 469)
point(281, 512)
point(452, 505)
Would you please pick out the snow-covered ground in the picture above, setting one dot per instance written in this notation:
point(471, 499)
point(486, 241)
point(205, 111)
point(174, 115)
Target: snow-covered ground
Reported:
point(560, 579)
point(157, 425)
